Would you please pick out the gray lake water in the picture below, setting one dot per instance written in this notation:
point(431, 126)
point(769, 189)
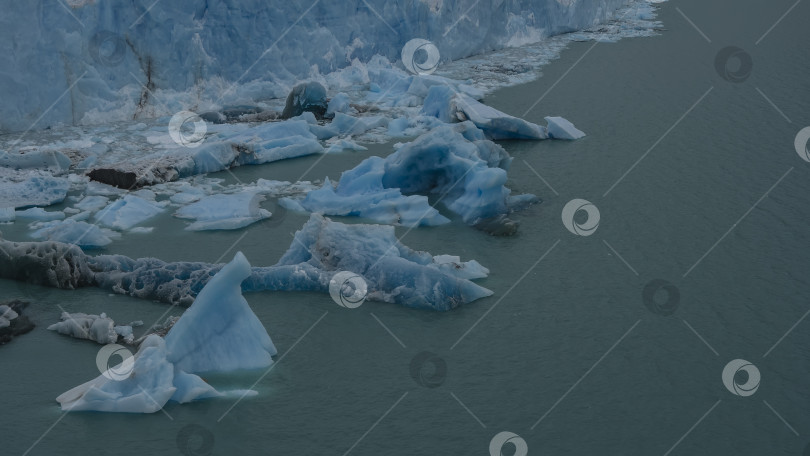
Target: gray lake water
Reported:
point(697, 183)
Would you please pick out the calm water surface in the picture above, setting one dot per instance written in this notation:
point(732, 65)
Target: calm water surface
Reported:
point(697, 183)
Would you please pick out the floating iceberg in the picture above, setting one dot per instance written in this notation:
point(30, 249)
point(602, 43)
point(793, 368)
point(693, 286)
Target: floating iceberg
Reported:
point(374, 202)
point(70, 231)
point(218, 333)
point(38, 213)
point(350, 125)
point(496, 124)
point(394, 273)
point(52, 160)
point(91, 203)
point(21, 189)
point(224, 212)
point(448, 105)
point(456, 162)
point(559, 128)
point(344, 144)
point(306, 97)
point(98, 328)
point(262, 144)
point(12, 322)
point(126, 212)
point(141, 384)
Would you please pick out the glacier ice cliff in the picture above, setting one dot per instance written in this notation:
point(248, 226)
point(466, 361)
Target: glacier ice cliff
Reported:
point(106, 60)
point(321, 248)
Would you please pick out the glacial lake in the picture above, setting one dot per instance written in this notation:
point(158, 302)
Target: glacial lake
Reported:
point(701, 195)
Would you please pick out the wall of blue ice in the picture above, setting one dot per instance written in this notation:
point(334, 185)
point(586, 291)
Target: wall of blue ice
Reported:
point(72, 61)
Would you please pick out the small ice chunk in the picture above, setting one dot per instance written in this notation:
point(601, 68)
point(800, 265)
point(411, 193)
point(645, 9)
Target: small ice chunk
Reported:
point(307, 117)
point(344, 144)
point(7, 312)
point(448, 105)
point(338, 103)
point(224, 212)
point(349, 125)
point(323, 132)
point(99, 188)
point(41, 159)
point(38, 213)
point(71, 231)
point(191, 387)
point(462, 269)
point(99, 328)
point(35, 189)
point(140, 384)
point(560, 128)
point(125, 333)
point(91, 203)
point(127, 212)
point(497, 124)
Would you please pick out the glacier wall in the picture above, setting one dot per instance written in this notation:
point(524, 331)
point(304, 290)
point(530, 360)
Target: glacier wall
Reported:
point(89, 61)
